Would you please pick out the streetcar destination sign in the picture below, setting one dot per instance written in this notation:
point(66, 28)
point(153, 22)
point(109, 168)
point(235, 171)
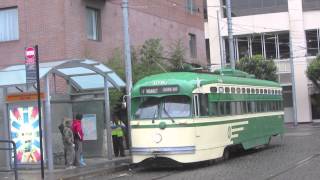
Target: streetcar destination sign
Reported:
point(159, 90)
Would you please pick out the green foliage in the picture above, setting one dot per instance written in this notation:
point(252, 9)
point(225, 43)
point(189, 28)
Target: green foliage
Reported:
point(177, 55)
point(313, 72)
point(150, 60)
point(258, 66)
point(145, 61)
point(116, 63)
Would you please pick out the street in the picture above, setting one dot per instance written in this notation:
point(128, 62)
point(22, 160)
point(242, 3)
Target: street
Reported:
point(295, 157)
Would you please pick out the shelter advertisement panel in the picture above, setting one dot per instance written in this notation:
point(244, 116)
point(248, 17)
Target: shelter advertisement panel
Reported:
point(89, 126)
point(24, 127)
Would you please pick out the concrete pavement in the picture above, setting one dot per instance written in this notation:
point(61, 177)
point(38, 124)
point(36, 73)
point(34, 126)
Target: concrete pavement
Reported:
point(94, 167)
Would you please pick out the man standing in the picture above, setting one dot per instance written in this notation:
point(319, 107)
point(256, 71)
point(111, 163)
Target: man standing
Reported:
point(117, 136)
point(68, 142)
point(78, 138)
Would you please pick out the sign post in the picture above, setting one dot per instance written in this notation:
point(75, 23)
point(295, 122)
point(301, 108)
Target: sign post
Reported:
point(32, 76)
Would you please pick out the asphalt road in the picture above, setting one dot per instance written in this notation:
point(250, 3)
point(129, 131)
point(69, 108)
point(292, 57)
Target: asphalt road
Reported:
point(295, 157)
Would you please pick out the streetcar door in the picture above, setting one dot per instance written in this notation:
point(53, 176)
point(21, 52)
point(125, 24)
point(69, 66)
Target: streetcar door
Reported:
point(196, 112)
point(196, 107)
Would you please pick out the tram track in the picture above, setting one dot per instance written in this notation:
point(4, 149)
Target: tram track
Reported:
point(294, 166)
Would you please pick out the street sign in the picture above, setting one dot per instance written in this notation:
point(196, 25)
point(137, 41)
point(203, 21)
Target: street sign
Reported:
point(30, 63)
point(30, 53)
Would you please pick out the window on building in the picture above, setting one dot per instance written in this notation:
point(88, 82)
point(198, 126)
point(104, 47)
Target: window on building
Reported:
point(312, 38)
point(208, 50)
point(193, 45)
point(9, 25)
point(284, 48)
point(251, 7)
point(191, 6)
point(270, 45)
point(93, 24)
point(243, 47)
point(309, 5)
point(256, 45)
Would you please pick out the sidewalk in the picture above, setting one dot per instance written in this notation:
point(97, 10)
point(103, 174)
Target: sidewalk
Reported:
point(95, 166)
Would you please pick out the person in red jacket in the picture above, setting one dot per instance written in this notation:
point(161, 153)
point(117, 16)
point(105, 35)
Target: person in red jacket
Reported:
point(78, 138)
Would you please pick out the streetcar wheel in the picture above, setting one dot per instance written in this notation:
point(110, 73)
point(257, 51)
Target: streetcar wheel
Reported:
point(226, 154)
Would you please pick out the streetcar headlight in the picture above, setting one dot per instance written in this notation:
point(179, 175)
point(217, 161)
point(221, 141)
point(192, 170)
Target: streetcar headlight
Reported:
point(157, 138)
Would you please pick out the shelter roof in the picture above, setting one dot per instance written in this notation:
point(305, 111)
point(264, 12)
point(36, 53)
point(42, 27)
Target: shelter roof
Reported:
point(84, 74)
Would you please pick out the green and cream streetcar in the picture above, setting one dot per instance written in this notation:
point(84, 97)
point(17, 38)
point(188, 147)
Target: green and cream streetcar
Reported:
point(190, 117)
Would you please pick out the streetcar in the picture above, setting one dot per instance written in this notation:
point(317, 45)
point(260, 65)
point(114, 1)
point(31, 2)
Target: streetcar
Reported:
point(191, 117)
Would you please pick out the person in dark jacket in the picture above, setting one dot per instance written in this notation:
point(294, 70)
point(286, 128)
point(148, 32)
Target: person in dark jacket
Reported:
point(117, 136)
point(68, 142)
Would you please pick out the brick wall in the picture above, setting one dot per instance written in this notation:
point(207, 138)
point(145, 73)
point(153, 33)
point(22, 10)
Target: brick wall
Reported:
point(59, 28)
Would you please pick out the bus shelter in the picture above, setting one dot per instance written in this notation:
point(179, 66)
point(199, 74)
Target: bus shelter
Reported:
point(82, 75)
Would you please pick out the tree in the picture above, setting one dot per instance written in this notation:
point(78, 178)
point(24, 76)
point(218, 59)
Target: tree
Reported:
point(258, 66)
point(116, 63)
point(146, 61)
point(150, 60)
point(313, 72)
point(177, 55)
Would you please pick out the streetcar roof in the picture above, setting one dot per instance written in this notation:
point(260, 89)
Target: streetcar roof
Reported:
point(188, 81)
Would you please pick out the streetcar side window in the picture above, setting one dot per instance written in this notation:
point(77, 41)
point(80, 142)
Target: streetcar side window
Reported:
point(203, 98)
point(213, 109)
point(227, 107)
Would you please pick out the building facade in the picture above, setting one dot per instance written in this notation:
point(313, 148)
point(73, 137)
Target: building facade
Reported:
point(66, 29)
point(90, 29)
point(278, 30)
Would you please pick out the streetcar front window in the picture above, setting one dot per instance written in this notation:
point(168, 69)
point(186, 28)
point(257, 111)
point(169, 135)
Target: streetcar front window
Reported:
point(148, 109)
point(175, 107)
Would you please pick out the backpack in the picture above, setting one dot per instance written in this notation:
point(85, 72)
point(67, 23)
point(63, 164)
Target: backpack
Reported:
point(61, 128)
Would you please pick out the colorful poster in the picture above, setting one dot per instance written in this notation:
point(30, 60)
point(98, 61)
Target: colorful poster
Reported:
point(24, 123)
point(89, 126)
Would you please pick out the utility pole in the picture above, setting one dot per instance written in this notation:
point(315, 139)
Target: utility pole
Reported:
point(128, 65)
point(294, 98)
point(220, 42)
point(230, 36)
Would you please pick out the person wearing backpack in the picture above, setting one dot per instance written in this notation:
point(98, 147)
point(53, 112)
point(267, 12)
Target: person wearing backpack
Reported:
point(68, 142)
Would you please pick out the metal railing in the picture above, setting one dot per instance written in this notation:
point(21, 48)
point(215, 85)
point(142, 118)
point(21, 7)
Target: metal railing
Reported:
point(11, 147)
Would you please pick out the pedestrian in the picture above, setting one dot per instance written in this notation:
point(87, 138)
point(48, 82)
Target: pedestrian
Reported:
point(61, 129)
point(68, 142)
point(117, 136)
point(78, 138)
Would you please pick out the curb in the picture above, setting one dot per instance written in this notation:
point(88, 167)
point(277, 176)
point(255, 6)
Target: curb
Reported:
point(96, 172)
